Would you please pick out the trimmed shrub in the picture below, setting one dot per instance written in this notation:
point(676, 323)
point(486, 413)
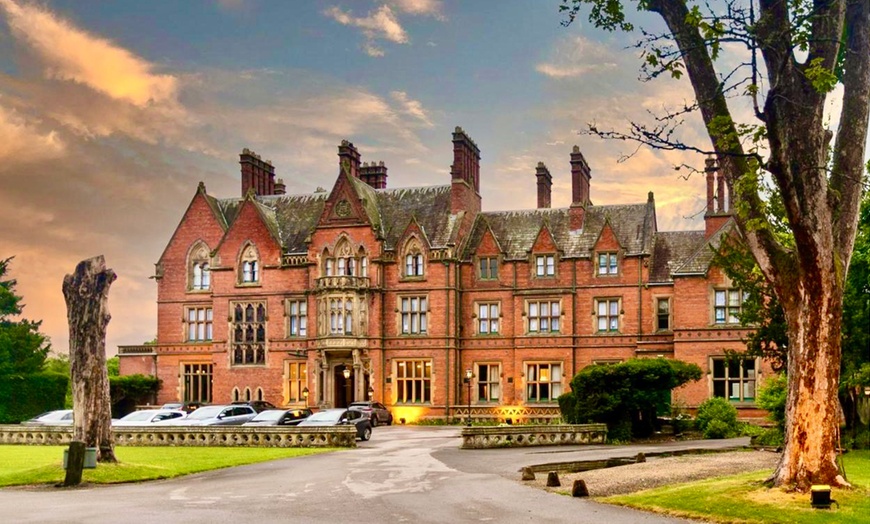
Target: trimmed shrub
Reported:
point(771, 396)
point(129, 390)
point(25, 396)
point(719, 411)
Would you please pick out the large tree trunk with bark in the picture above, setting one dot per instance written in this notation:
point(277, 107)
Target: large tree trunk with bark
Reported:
point(86, 292)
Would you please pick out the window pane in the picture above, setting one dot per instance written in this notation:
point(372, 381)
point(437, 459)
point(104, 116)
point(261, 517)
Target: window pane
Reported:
point(554, 307)
point(614, 307)
point(720, 298)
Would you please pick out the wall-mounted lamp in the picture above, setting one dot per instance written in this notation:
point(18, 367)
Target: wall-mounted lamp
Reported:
point(371, 392)
point(346, 372)
point(305, 393)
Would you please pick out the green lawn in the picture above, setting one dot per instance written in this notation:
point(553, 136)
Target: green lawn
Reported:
point(742, 498)
point(23, 465)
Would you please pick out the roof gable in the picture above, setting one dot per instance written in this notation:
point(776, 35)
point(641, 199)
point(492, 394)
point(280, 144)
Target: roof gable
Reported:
point(193, 218)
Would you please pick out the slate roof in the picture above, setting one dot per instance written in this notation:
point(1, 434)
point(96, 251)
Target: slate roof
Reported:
point(430, 206)
point(671, 250)
point(700, 260)
point(516, 231)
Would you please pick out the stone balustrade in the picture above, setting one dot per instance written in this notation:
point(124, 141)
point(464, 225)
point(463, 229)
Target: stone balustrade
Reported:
point(481, 437)
point(223, 436)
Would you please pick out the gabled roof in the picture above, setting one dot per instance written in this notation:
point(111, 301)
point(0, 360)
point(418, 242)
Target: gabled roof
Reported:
point(429, 206)
point(671, 250)
point(700, 260)
point(516, 231)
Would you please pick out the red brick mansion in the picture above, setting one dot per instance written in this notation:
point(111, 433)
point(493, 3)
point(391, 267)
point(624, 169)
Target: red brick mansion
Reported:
point(398, 294)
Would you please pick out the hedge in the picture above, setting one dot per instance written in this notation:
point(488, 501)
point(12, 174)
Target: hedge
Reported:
point(23, 397)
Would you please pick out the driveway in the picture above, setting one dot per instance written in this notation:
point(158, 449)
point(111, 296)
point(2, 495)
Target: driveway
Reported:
point(404, 474)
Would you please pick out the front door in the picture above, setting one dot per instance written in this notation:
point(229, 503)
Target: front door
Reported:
point(343, 387)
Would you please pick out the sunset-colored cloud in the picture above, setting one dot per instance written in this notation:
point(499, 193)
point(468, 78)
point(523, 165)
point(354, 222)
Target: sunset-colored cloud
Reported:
point(18, 138)
point(411, 107)
point(72, 54)
point(381, 23)
point(419, 7)
point(576, 57)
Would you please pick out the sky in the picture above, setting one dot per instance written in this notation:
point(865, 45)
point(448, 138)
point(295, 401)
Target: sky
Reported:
point(112, 112)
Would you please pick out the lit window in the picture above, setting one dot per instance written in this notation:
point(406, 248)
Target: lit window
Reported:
point(607, 264)
point(196, 385)
point(487, 318)
point(728, 303)
point(488, 378)
point(663, 314)
point(488, 268)
point(734, 378)
point(413, 311)
point(545, 265)
point(544, 316)
point(297, 379)
point(413, 381)
point(248, 328)
point(607, 315)
point(543, 382)
point(297, 318)
point(199, 324)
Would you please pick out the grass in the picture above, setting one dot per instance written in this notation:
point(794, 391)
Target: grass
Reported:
point(743, 498)
point(23, 465)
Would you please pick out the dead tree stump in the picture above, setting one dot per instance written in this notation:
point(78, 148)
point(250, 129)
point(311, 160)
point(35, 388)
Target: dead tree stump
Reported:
point(579, 489)
point(528, 474)
point(553, 480)
point(86, 292)
point(75, 463)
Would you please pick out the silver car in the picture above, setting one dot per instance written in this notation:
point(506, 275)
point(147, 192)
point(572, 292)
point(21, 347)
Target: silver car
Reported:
point(213, 416)
point(60, 417)
point(146, 417)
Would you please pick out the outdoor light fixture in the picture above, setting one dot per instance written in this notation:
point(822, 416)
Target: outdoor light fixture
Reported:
point(468, 376)
point(305, 393)
point(346, 372)
point(371, 392)
point(820, 496)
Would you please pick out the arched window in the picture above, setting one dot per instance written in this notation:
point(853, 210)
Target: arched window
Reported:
point(199, 275)
point(248, 394)
point(343, 262)
point(248, 342)
point(235, 394)
point(414, 265)
point(260, 394)
point(249, 265)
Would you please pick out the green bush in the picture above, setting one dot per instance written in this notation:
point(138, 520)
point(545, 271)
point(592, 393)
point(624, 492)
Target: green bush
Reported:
point(127, 391)
point(628, 396)
point(771, 396)
point(24, 396)
point(770, 437)
point(721, 412)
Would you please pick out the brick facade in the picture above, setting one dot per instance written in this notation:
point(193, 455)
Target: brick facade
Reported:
point(277, 296)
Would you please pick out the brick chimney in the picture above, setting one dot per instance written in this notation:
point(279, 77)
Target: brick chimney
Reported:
point(347, 152)
point(257, 174)
point(545, 184)
point(580, 177)
point(718, 201)
point(280, 188)
point(465, 174)
point(374, 174)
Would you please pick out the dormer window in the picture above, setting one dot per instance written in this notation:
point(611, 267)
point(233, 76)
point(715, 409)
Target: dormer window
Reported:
point(608, 264)
point(343, 263)
point(545, 266)
point(250, 266)
point(414, 263)
point(199, 275)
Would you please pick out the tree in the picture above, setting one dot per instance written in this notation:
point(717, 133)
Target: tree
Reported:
point(795, 54)
point(23, 348)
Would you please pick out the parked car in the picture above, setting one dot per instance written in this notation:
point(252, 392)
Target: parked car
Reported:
point(279, 417)
point(60, 417)
point(341, 417)
point(213, 416)
point(258, 405)
point(377, 412)
point(146, 417)
point(187, 407)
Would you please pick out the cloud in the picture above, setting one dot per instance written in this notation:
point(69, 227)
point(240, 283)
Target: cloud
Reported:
point(20, 139)
point(576, 57)
point(419, 7)
point(381, 23)
point(411, 107)
point(71, 54)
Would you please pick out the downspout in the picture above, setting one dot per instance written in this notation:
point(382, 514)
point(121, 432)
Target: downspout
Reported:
point(457, 290)
point(575, 339)
point(639, 299)
point(447, 338)
point(383, 330)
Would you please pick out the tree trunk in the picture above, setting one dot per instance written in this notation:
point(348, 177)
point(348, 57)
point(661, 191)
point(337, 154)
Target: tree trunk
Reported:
point(86, 292)
point(812, 406)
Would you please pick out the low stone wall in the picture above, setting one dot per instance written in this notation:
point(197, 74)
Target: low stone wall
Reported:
point(224, 436)
point(519, 436)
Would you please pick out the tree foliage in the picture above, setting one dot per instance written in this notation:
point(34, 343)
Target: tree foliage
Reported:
point(23, 348)
point(627, 396)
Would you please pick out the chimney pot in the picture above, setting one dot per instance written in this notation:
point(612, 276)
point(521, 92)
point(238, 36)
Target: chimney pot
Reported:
point(545, 184)
point(257, 175)
point(349, 154)
point(581, 175)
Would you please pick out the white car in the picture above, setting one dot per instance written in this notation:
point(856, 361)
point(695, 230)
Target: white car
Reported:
point(60, 417)
point(146, 417)
point(214, 416)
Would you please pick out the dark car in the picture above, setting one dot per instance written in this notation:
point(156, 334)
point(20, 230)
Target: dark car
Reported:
point(258, 405)
point(341, 417)
point(279, 417)
point(377, 412)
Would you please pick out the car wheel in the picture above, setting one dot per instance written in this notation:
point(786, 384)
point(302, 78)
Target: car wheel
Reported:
point(390, 421)
point(367, 433)
point(374, 421)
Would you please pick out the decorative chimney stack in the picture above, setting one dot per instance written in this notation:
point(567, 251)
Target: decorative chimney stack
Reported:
point(257, 174)
point(465, 175)
point(545, 184)
point(374, 174)
point(347, 153)
point(580, 178)
point(466, 160)
point(718, 201)
point(280, 188)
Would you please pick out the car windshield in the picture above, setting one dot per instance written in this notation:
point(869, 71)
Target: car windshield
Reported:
point(325, 416)
point(56, 415)
point(360, 404)
point(272, 414)
point(206, 412)
point(138, 416)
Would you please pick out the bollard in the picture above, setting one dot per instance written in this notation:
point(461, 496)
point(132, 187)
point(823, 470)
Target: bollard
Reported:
point(553, 480)
point(579, 489)
point(640, 458)
point(528, 474)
